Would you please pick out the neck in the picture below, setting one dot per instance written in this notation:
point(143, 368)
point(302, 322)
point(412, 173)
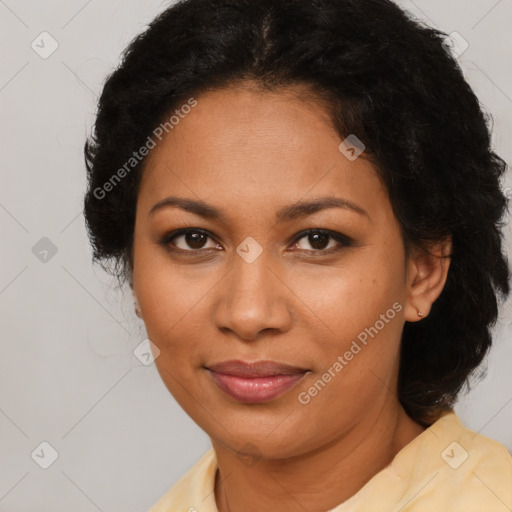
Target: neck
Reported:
point(320, 479)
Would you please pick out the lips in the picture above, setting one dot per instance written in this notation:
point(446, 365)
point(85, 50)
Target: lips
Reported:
point(255, 382)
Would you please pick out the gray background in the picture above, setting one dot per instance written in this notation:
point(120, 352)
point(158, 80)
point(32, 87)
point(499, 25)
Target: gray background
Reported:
point(68, 375)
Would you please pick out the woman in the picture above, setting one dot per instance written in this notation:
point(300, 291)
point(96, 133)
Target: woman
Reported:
point(303, 198)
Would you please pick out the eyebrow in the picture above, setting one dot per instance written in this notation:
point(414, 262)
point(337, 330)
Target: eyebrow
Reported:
point(285, 214)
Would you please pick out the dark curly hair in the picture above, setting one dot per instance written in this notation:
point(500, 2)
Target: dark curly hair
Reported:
point(383, 76)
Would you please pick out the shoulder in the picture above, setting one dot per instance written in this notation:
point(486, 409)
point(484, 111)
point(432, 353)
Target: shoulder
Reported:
point(446, 467)
point(193, 492)
point(466, 471)
point(470, 448)
point(489, 464)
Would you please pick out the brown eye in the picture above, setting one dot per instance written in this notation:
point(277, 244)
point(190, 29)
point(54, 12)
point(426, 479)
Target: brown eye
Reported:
point(318, 240)
point(188, 240)
point(321, 241)
point(195, 240)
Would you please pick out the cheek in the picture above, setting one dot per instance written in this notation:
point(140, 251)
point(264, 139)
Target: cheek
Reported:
point(166, 291)
point(164, 297)
point(360, 308)
point(351, 296)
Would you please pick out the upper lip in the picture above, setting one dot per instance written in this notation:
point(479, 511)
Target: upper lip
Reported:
point(255, 369)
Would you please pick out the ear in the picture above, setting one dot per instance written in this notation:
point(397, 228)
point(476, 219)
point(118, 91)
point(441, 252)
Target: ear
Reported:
point(427, 271)
point(136, 305)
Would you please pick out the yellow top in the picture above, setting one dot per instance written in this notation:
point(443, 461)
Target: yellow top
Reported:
point(447, 468)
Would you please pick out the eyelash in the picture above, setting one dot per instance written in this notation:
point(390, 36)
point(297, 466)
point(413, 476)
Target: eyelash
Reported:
point(343, 240)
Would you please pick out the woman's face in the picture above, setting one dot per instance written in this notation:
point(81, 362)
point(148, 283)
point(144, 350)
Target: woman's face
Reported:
point(249, 285)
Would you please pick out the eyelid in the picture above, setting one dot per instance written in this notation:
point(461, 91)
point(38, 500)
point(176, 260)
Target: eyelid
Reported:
point(339, 237)
point(165, 240)
point(342, 240)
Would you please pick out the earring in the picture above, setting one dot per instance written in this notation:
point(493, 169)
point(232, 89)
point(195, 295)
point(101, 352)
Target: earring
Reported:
point(420, 314)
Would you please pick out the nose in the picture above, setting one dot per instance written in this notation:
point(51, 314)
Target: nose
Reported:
point(252, 299)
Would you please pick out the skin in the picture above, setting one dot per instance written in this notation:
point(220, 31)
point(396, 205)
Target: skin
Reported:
point(250, 153)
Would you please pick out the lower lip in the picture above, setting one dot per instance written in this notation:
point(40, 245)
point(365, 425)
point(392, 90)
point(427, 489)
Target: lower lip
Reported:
point(258, 389)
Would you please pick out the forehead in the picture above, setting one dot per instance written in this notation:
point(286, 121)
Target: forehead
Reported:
point(245, 146)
